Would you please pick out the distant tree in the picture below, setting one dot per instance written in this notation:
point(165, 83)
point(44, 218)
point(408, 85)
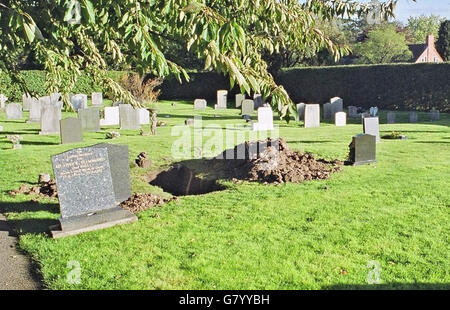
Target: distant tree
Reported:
point(383, 45)
point(420, 27)
point(443, 42)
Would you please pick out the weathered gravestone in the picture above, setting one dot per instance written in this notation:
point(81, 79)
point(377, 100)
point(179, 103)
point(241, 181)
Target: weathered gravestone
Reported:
point(13, 111)
point(86, 192)
point(118, 157)
point(79, 101)
point(129, 117)
point(391, 117)
point(90, 119)
point(327, 111)
point(434, 115)
point(50, 117)
point(265, 119)
point(248, 107)
point(35, 111)
point(111, 115)
point(312, 115)
point(26, 102)
point(258, 100)
point(363, 149)
point(300, 110)
point(238, 100)
point(222, 97)
point(340, 119)
point(144, 116)
point(3, 100)
point(70, 130)
point(352, 111)
point(54, 97)
point(413, 117)
point(200, 104)
point(97, 99)
point(371, 126)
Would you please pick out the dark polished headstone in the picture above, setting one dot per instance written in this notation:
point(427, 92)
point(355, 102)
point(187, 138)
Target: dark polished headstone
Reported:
point(363, 149)
point(71, 131)
point(85, 191)
point(118, 156)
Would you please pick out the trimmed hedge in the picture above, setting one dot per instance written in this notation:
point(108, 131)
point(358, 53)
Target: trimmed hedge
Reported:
point(390, 87)
point(35, 81)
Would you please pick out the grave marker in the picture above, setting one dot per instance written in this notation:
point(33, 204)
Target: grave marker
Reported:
point(248, 107)
point(222, 98)
point(391, 117)
point(300, 110)
point(371, 126)
point(434, 115)
point(35, 111)
point(238, 100)
point(200, 104)
point(129, 117)
point(13, 111)
point(327, 111)
point(340, 119)
point(97, 99)
point(3, 100)
point(79, 101)
point(71, 130)
point(90, 119)
point(50, 117)
point(352, 111)
point(265, 119)
point(258, 100)
point(413, 117)
point(144, 116)
point(312, 115)
point(111, 115)
point(363, 149)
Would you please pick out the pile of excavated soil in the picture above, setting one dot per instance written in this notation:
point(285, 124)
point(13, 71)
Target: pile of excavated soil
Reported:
point(141, 202)
point(273, 162)
point(45, 189)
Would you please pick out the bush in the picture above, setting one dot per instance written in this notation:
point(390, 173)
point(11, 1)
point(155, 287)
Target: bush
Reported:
point(142, 89)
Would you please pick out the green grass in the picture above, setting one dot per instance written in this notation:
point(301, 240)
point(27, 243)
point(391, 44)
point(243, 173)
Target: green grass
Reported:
point(254, 236)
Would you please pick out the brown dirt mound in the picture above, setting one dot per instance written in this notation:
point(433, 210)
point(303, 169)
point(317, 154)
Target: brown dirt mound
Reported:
point(45, 189)
point(141, 202)
point(273, 162)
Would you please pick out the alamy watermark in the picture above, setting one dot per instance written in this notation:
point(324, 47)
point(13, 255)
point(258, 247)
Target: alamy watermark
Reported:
point(374, 274)
point(74, 274)
point(74, 15)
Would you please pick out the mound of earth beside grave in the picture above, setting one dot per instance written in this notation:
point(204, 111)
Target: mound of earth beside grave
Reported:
point(44, 189)
point(141, 202)
point(267, 161)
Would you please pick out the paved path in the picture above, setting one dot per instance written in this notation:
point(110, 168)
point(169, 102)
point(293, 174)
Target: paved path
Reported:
point(15, 267)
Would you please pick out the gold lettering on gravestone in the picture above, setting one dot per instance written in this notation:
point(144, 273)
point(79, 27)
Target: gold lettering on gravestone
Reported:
point(81, 164)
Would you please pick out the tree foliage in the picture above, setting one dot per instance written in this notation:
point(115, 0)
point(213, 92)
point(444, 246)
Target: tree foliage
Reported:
point(71, 36)
point(383, 45)
point(420, 27)
point(443, 42)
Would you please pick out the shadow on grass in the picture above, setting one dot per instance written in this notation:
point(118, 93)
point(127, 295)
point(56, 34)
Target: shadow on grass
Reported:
point(38, 143)
point(310, 141)
point(433, 142)
point(390, 286)
point(205, 118)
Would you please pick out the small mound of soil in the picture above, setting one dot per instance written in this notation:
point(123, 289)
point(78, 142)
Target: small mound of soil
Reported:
point(141, 202)
point(45, 189)
point(262, 161)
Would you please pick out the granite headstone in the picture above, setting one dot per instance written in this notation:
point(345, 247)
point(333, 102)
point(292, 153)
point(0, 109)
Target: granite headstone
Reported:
point(50, 117)
point(90, 118)
point(413, 117)
point(111, 117)
point(363, 149)
point(238, 100)
point(129, 117)
point(391, 117)
point(70, 130)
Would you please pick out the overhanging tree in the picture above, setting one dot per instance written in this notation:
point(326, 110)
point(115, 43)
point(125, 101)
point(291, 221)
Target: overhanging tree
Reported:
point(443, 42)
point(71, 36)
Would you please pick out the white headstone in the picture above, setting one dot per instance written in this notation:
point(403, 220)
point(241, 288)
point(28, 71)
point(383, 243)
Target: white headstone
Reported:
point(79, 101)
point(200, 104)
point(54, 97)
point(340, 119)
point(111, 117)
point(222, 98)
point(144, 116)
point(312, 115)
point(26, 102)
point(97, 99)
point(50, 117)
point(35, 111)
point(265, 119)
point(14, 111)
point(238, 100)
point(3, 100)
point(337, 105)
point(371, 126)
point(247, 107)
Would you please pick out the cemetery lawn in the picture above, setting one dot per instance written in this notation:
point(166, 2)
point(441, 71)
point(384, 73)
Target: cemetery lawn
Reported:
point(315, 235)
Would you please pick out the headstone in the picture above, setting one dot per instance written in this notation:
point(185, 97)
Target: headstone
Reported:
point(97, 99)
point(70, 130)
point(54, 97)
point(373, 111)
point(238, 100)
point(3, 100)
point(117, 103)
point(413, 117)
point(300, 110)
point(35, 111)
point(391, 117)
point(258, 100)
point(312, 115)
point(327, 111)
point(79, 101)
point(86, 192)
point(222, 98)
point(90, 119)
point(363, 149)
point(144, 116)
point(1, 128)
point(200, 104)
point(26, 102)
point(129, 117)
point(13, 111)
point(118, 157)
point(352, 111)
point(50, 117)
point(248, 107)
point(337, 105)
point(371, 126)
point(340, 119)
point(45, 100)
point(111, 117)
point(434, 115)
point(265, 119)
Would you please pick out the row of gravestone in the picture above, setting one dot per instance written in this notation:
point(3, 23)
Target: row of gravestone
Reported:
point(222, 99)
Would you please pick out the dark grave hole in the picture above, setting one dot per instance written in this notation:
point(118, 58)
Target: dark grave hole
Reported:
point(182, 181)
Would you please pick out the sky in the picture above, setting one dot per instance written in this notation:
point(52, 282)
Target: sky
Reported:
point(407, 8)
